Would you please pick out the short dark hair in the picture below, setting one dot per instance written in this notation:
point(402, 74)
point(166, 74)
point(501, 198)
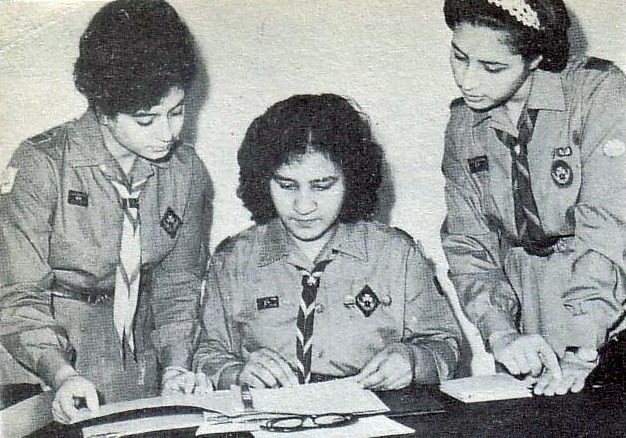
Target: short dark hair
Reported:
point(289, 129)
point(550, 40)
point(131, 54)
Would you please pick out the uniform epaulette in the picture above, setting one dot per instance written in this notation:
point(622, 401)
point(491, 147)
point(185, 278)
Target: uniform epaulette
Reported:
point(600, 64)
point(44, 136)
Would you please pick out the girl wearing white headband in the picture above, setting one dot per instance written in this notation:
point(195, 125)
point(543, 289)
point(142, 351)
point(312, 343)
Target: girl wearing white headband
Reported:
point(535, 167)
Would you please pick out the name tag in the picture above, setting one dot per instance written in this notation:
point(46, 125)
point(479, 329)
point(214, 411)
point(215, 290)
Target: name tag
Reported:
point(478, 164)
point(75, 197)
point(267, 303)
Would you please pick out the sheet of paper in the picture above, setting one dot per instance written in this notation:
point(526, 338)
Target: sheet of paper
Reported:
point(144, 425)
point(365, 427)
point(338, 396)
point(486, 388)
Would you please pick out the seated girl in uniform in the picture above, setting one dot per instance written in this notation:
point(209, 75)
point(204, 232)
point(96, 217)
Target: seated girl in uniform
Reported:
point(316, 289)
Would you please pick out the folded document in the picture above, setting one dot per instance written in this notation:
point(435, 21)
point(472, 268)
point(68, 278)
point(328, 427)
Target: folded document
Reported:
point(486, 388)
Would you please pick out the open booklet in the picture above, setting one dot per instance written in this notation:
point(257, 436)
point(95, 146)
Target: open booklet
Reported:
point(227, 407)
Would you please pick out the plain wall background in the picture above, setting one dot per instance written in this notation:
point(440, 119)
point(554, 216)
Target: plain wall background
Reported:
point(390, 56)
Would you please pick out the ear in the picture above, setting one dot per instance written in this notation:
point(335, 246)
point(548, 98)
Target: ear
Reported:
point(534, 63)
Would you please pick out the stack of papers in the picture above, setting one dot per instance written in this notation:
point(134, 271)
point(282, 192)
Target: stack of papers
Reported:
point(224, 410)
point(486, 388)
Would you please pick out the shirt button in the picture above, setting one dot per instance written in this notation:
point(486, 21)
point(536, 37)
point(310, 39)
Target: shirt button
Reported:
point(320, 354)
point(319, 308)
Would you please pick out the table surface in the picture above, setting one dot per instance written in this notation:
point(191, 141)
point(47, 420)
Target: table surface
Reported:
point(595, 412)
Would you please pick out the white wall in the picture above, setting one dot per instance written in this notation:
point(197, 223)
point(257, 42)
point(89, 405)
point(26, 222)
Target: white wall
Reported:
point(391, 56)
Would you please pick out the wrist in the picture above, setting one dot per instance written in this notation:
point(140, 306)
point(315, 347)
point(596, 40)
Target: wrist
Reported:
point(230, 376)
point(63, 374)
point(584, 354)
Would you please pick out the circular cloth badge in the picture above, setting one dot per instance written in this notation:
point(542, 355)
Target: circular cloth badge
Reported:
point(561, 173)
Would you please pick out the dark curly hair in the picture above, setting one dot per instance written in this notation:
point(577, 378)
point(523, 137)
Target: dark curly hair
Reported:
point(324, 123)
point(550, 41)
point(131, 54)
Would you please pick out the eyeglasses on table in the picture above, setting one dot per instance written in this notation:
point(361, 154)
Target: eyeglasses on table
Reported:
point(296, 423)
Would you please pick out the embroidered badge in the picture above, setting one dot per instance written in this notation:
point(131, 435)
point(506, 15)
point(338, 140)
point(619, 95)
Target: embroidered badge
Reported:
point(561, 173)
point(478, 164)
point(561, 152)
point(267, 303)
point(367, 301)
point(170, 222)
point(614, 148)
point(7, 179)
point(74, 197)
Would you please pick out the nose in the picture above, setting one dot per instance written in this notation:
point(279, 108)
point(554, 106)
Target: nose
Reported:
point(304, 202)
point(469, 78)
point(165, 130)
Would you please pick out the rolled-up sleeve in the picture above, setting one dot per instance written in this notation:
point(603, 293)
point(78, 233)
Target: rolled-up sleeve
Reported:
point(219, 345)
point(472, 248)
point(176, 282)
point(596, 293)
point(27, 327)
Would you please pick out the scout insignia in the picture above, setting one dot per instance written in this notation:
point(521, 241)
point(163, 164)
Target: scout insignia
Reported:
point(74, 197)
point(267, 303)
point(478, 164)
point(561, 173)
point(614, 148)
point(170, 222)
point(7, 179)
point(367, 301)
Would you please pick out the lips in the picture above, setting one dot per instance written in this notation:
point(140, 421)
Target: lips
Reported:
point(305, 223)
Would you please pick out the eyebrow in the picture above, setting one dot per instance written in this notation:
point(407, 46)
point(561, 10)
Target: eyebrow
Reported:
point(330, 178)
point(481, 61)
point(145, 113)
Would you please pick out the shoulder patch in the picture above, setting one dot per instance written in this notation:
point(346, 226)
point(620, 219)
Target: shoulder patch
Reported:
point(7, 179)
point(614, 148)
point(600, 64)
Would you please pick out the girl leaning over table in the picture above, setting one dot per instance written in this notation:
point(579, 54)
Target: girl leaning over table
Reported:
point(105, 221)
point(317, 289)
point(535, 167)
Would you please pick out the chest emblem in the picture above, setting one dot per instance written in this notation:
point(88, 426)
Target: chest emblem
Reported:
point(74, 197)
point(7, 179)
point(478, 164)
point(170, 222)
point(561, 173)
point(367, 301)
point(562, 152)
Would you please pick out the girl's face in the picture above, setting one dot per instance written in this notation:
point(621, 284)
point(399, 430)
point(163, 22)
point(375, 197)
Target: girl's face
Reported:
point(150, 133)
point(484, 67)
point(308, 195)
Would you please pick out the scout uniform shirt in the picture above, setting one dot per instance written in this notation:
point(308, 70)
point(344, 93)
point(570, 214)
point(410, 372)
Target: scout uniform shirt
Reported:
point(377, 289)
point(577, 161)
point(61, 225)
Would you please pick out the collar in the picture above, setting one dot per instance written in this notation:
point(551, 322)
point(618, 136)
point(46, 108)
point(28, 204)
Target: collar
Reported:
point(88, 148)
point(546, 93)
point(349, 239)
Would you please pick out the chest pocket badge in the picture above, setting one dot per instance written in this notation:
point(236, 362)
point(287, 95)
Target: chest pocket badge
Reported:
point(170, 222)
point(561, 173)
point(74, 197)
point(367, 301)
